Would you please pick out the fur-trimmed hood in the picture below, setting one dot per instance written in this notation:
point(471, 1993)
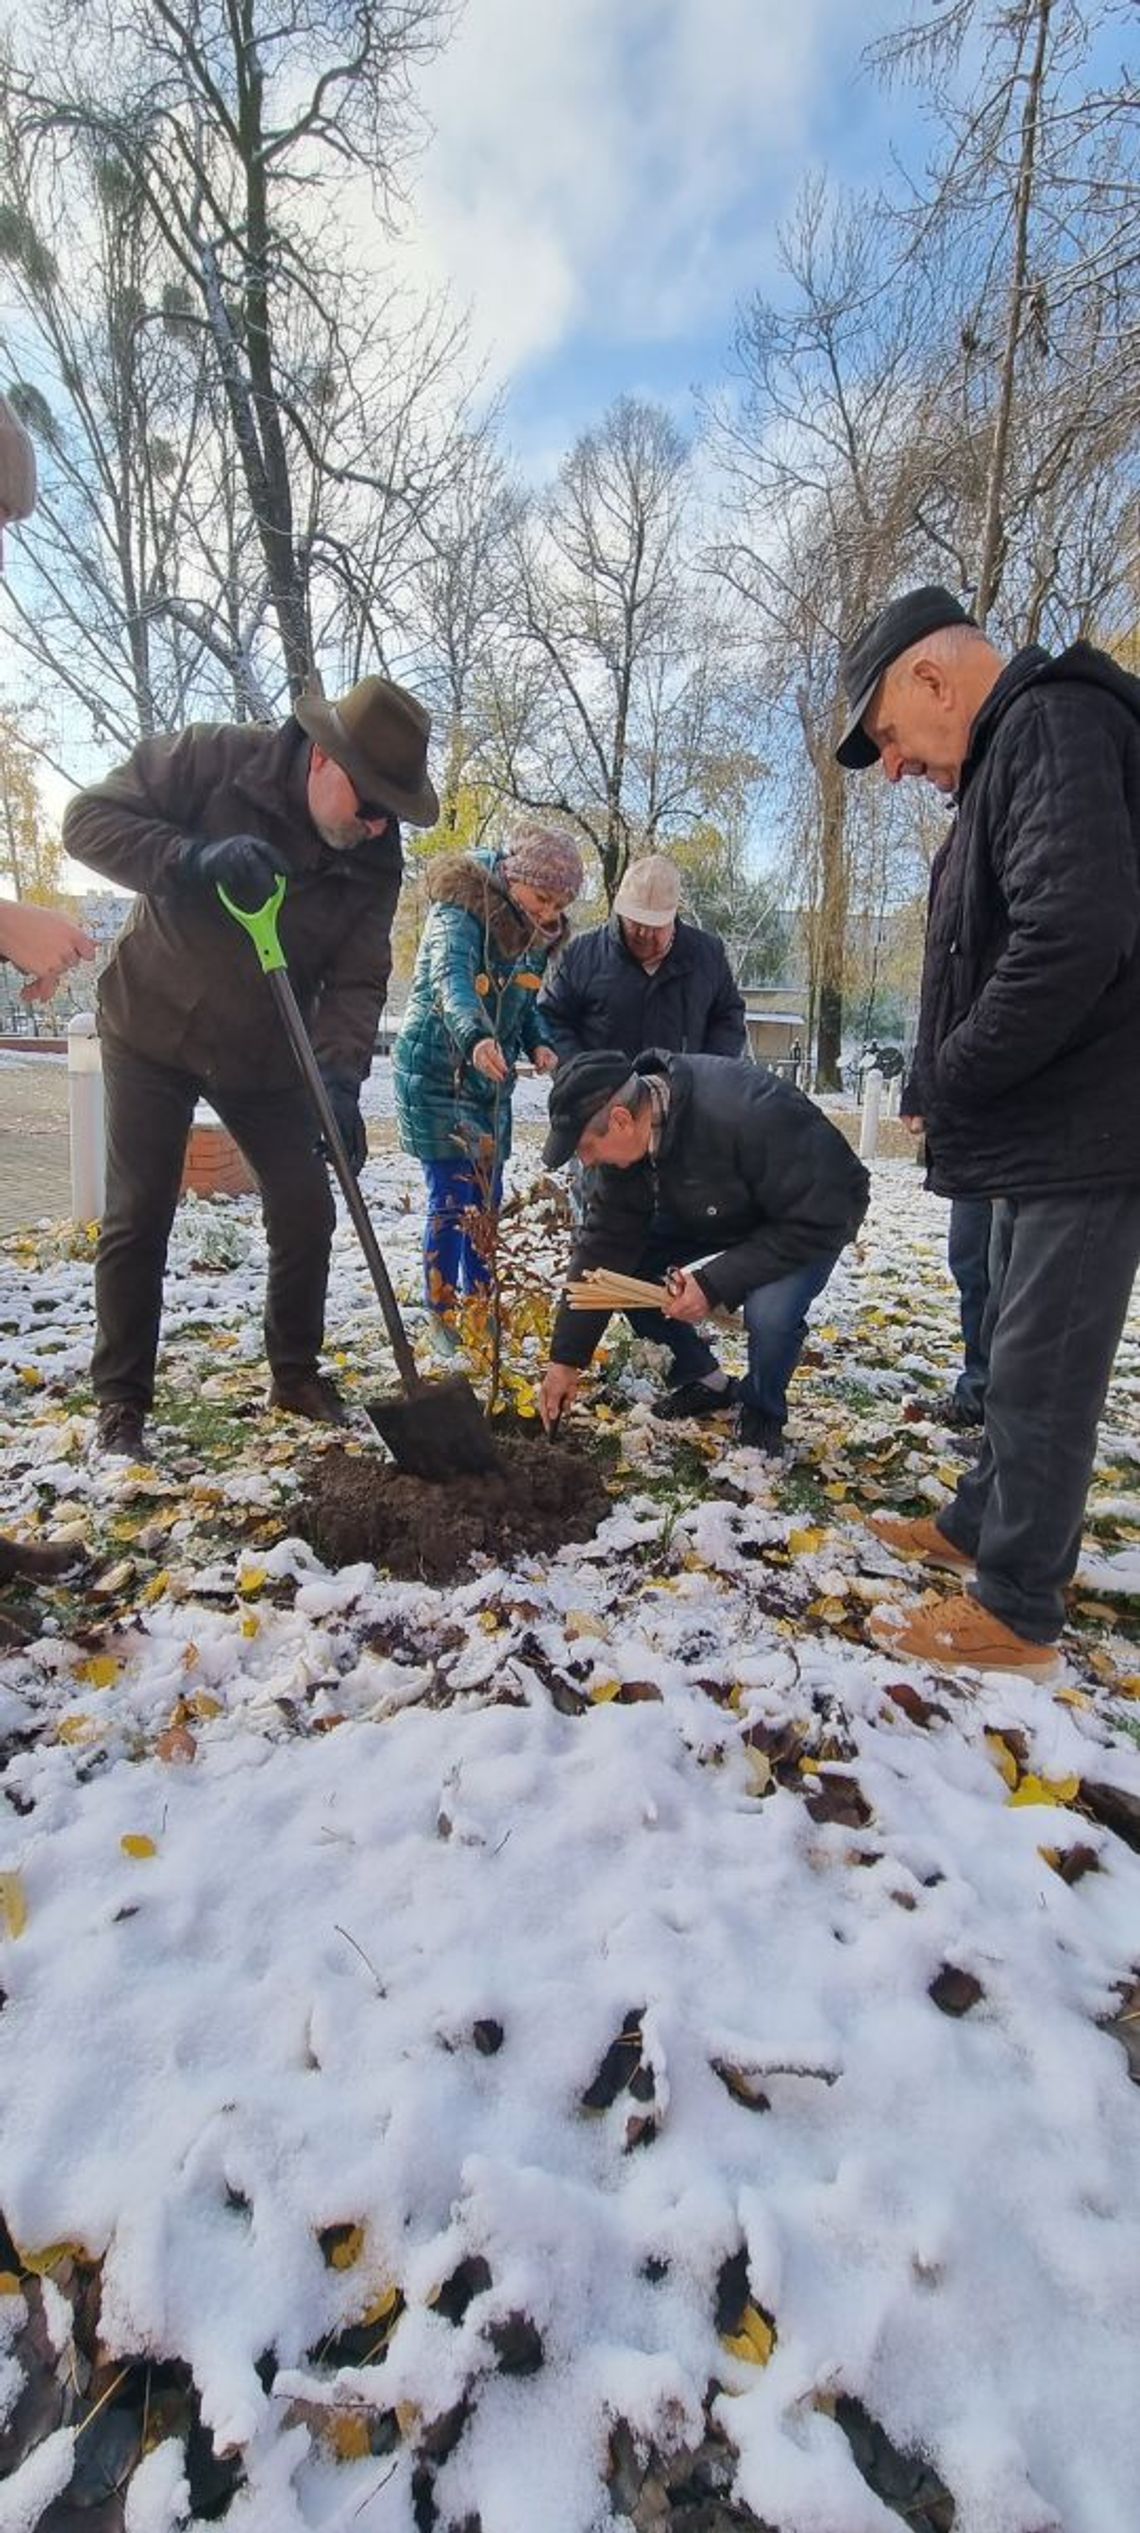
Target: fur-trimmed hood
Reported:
point(478, 885)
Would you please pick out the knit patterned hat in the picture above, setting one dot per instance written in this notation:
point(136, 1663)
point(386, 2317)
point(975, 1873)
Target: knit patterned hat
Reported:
point(543, 858)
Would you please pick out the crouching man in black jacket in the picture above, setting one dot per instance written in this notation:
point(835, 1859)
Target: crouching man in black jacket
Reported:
point(702, 1158)
point(1027, 1073)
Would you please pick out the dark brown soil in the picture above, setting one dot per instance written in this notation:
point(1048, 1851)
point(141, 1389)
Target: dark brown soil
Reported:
point(358, 1508)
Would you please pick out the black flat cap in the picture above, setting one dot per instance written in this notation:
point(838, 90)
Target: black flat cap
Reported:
point(865, 660)
point(578, 1090)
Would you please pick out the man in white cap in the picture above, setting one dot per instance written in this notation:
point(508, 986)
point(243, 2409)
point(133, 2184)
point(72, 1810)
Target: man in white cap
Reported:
point(646, 978)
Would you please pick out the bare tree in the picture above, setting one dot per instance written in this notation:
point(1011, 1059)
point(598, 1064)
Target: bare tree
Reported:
point(614, 705)
point(233, 126)
point(1033, 192)
point(830, 442)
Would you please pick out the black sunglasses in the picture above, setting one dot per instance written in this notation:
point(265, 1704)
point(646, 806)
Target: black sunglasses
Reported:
point(370, 812)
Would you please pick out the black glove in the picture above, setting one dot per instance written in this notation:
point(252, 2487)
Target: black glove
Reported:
point(344, 1100)
point(245, 866)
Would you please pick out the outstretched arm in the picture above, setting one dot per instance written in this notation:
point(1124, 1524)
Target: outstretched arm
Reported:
point(43, 943)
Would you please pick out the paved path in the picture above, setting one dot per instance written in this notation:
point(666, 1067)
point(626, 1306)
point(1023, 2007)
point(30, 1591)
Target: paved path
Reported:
point(35, 1167)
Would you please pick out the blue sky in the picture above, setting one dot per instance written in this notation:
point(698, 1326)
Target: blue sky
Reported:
point(606, 177)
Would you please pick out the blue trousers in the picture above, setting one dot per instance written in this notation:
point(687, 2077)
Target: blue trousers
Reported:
point(452, 1262)
point(775, 1318)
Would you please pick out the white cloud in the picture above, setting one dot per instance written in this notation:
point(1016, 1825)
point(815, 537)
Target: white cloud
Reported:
point(609, 161)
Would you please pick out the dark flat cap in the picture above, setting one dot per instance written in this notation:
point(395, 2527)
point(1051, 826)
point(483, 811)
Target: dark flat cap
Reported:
point(578, 1090)
point(865, 660)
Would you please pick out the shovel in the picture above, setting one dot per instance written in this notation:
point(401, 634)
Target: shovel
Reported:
point(438, 1430)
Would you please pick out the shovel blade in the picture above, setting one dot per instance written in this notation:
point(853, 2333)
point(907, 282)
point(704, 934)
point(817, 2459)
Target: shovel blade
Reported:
point(439, 1434)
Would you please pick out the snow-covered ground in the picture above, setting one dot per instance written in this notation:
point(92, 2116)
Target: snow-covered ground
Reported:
point(327, 1901)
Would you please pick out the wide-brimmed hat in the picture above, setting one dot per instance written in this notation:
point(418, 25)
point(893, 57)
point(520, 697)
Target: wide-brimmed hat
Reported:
point(379, 734)
point(864, 662)
point(578, 1091)
point(650, 893)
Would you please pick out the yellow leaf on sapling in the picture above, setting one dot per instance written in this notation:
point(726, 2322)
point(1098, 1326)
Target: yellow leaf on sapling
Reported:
point(252, 1580)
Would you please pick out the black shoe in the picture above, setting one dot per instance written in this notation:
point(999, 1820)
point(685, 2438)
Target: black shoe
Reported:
point(760, 1433)
point(310, 1394)
point(694, 1398)
point(120, 1430)
point(959, 1413)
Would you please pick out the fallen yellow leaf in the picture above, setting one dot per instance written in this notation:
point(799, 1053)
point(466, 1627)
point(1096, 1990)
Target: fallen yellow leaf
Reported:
point(101, 1670)
point(1003, 1758)
point(13, 1906)
point(40, 2264)
point(347, 2435)
point(133, 1843)
point(1045, 1790)
point(605, 1690)
point(803, 1543)
point(754, 2341)
point(252, 1580)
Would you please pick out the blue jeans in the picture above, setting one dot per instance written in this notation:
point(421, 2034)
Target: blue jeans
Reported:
point(967, 1255)
point(452, 1262)
point(774, 1318)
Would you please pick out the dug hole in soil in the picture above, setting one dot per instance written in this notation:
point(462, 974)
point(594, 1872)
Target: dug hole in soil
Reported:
point(358, 1508)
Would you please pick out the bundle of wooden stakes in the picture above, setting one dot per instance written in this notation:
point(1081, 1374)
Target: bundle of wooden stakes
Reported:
point(602, 1288)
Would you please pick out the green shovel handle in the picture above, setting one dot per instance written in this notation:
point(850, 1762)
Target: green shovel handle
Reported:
point(261, 924)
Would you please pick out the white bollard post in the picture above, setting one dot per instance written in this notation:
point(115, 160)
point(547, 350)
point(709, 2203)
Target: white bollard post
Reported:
point(869, 1122)
point(85, 1110)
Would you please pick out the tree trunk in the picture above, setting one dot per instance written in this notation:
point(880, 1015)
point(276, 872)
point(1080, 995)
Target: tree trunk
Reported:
point(989, 564)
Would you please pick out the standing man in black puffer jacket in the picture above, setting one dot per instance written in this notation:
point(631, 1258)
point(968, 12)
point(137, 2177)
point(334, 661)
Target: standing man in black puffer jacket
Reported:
point(1027, 1070)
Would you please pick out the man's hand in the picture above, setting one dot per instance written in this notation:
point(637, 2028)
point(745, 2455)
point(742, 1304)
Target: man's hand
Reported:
point(43, 943)
point(488, 1058)
point(560, 1385)
point(685, 1298)
point(545, 1060)
point(914, 1125)
point(245, 866)
point(344, 1100)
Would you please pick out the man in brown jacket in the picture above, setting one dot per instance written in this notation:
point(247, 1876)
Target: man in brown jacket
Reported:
point(184, 1012)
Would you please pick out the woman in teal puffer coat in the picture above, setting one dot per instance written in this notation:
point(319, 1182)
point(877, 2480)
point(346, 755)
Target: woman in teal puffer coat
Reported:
point(494, 921)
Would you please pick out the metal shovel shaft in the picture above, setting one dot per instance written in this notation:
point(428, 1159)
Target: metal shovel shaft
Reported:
point(287, 1005)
